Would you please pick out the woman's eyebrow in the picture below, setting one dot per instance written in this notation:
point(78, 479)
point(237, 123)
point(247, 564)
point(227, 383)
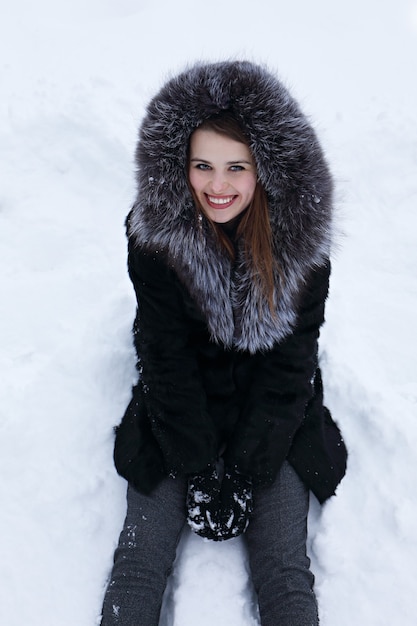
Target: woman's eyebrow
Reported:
point(228, 162)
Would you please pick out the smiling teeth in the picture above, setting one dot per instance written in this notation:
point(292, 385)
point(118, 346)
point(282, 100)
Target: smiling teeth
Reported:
point(215, 200)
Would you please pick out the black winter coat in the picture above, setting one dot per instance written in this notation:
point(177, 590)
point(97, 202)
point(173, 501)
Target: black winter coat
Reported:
point(217, 371)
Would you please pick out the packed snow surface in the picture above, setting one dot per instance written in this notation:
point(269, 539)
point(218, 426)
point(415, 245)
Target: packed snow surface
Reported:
point(75, 78)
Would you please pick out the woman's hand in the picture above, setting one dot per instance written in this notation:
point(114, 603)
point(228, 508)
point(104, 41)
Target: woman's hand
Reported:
point(236, 504)
point(219, 511)
point(203, 499)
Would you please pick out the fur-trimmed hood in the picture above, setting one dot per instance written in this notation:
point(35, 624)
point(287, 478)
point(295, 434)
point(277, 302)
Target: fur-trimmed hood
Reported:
point(290, 166)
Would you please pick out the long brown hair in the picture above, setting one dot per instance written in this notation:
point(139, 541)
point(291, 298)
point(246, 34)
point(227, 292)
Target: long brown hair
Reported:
point(254, 227)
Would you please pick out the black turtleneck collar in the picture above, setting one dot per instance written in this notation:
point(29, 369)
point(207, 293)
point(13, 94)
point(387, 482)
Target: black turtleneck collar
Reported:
point(230, 227)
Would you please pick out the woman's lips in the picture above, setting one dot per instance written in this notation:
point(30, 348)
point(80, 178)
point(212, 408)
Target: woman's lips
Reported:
point(220, 202)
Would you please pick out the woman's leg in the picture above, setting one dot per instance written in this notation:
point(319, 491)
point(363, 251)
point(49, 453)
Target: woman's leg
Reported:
point(145, 554)
point(276, 539)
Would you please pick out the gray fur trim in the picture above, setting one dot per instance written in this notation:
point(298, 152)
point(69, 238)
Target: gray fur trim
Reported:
point(290, 166)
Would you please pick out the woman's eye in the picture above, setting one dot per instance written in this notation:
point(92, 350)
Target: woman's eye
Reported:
point(202, 166)
point(237, 168)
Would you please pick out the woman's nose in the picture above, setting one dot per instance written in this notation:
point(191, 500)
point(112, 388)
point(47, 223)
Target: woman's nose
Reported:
point(218, 183)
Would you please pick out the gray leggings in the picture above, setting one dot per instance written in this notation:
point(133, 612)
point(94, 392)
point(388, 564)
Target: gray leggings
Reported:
point(275, 538)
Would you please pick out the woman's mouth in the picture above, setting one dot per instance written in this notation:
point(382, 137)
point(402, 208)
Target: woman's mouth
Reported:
point(220, 202)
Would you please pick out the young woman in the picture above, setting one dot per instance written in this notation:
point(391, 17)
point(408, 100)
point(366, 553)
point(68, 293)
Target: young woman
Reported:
point(229, 243)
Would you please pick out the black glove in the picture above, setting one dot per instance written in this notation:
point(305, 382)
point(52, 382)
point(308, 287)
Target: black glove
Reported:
point(203, 503)
point(236, 504)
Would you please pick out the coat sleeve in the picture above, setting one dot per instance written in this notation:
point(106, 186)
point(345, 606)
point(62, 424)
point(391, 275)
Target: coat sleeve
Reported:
point(170, 385)
point(279, 389)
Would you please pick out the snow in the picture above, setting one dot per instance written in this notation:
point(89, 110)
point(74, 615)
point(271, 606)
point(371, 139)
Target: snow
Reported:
point(75, 79)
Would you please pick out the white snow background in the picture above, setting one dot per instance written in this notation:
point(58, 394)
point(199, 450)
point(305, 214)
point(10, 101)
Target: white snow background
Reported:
point(74, 79)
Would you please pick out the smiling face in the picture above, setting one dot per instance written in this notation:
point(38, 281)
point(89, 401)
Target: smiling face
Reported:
point(222, 174)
